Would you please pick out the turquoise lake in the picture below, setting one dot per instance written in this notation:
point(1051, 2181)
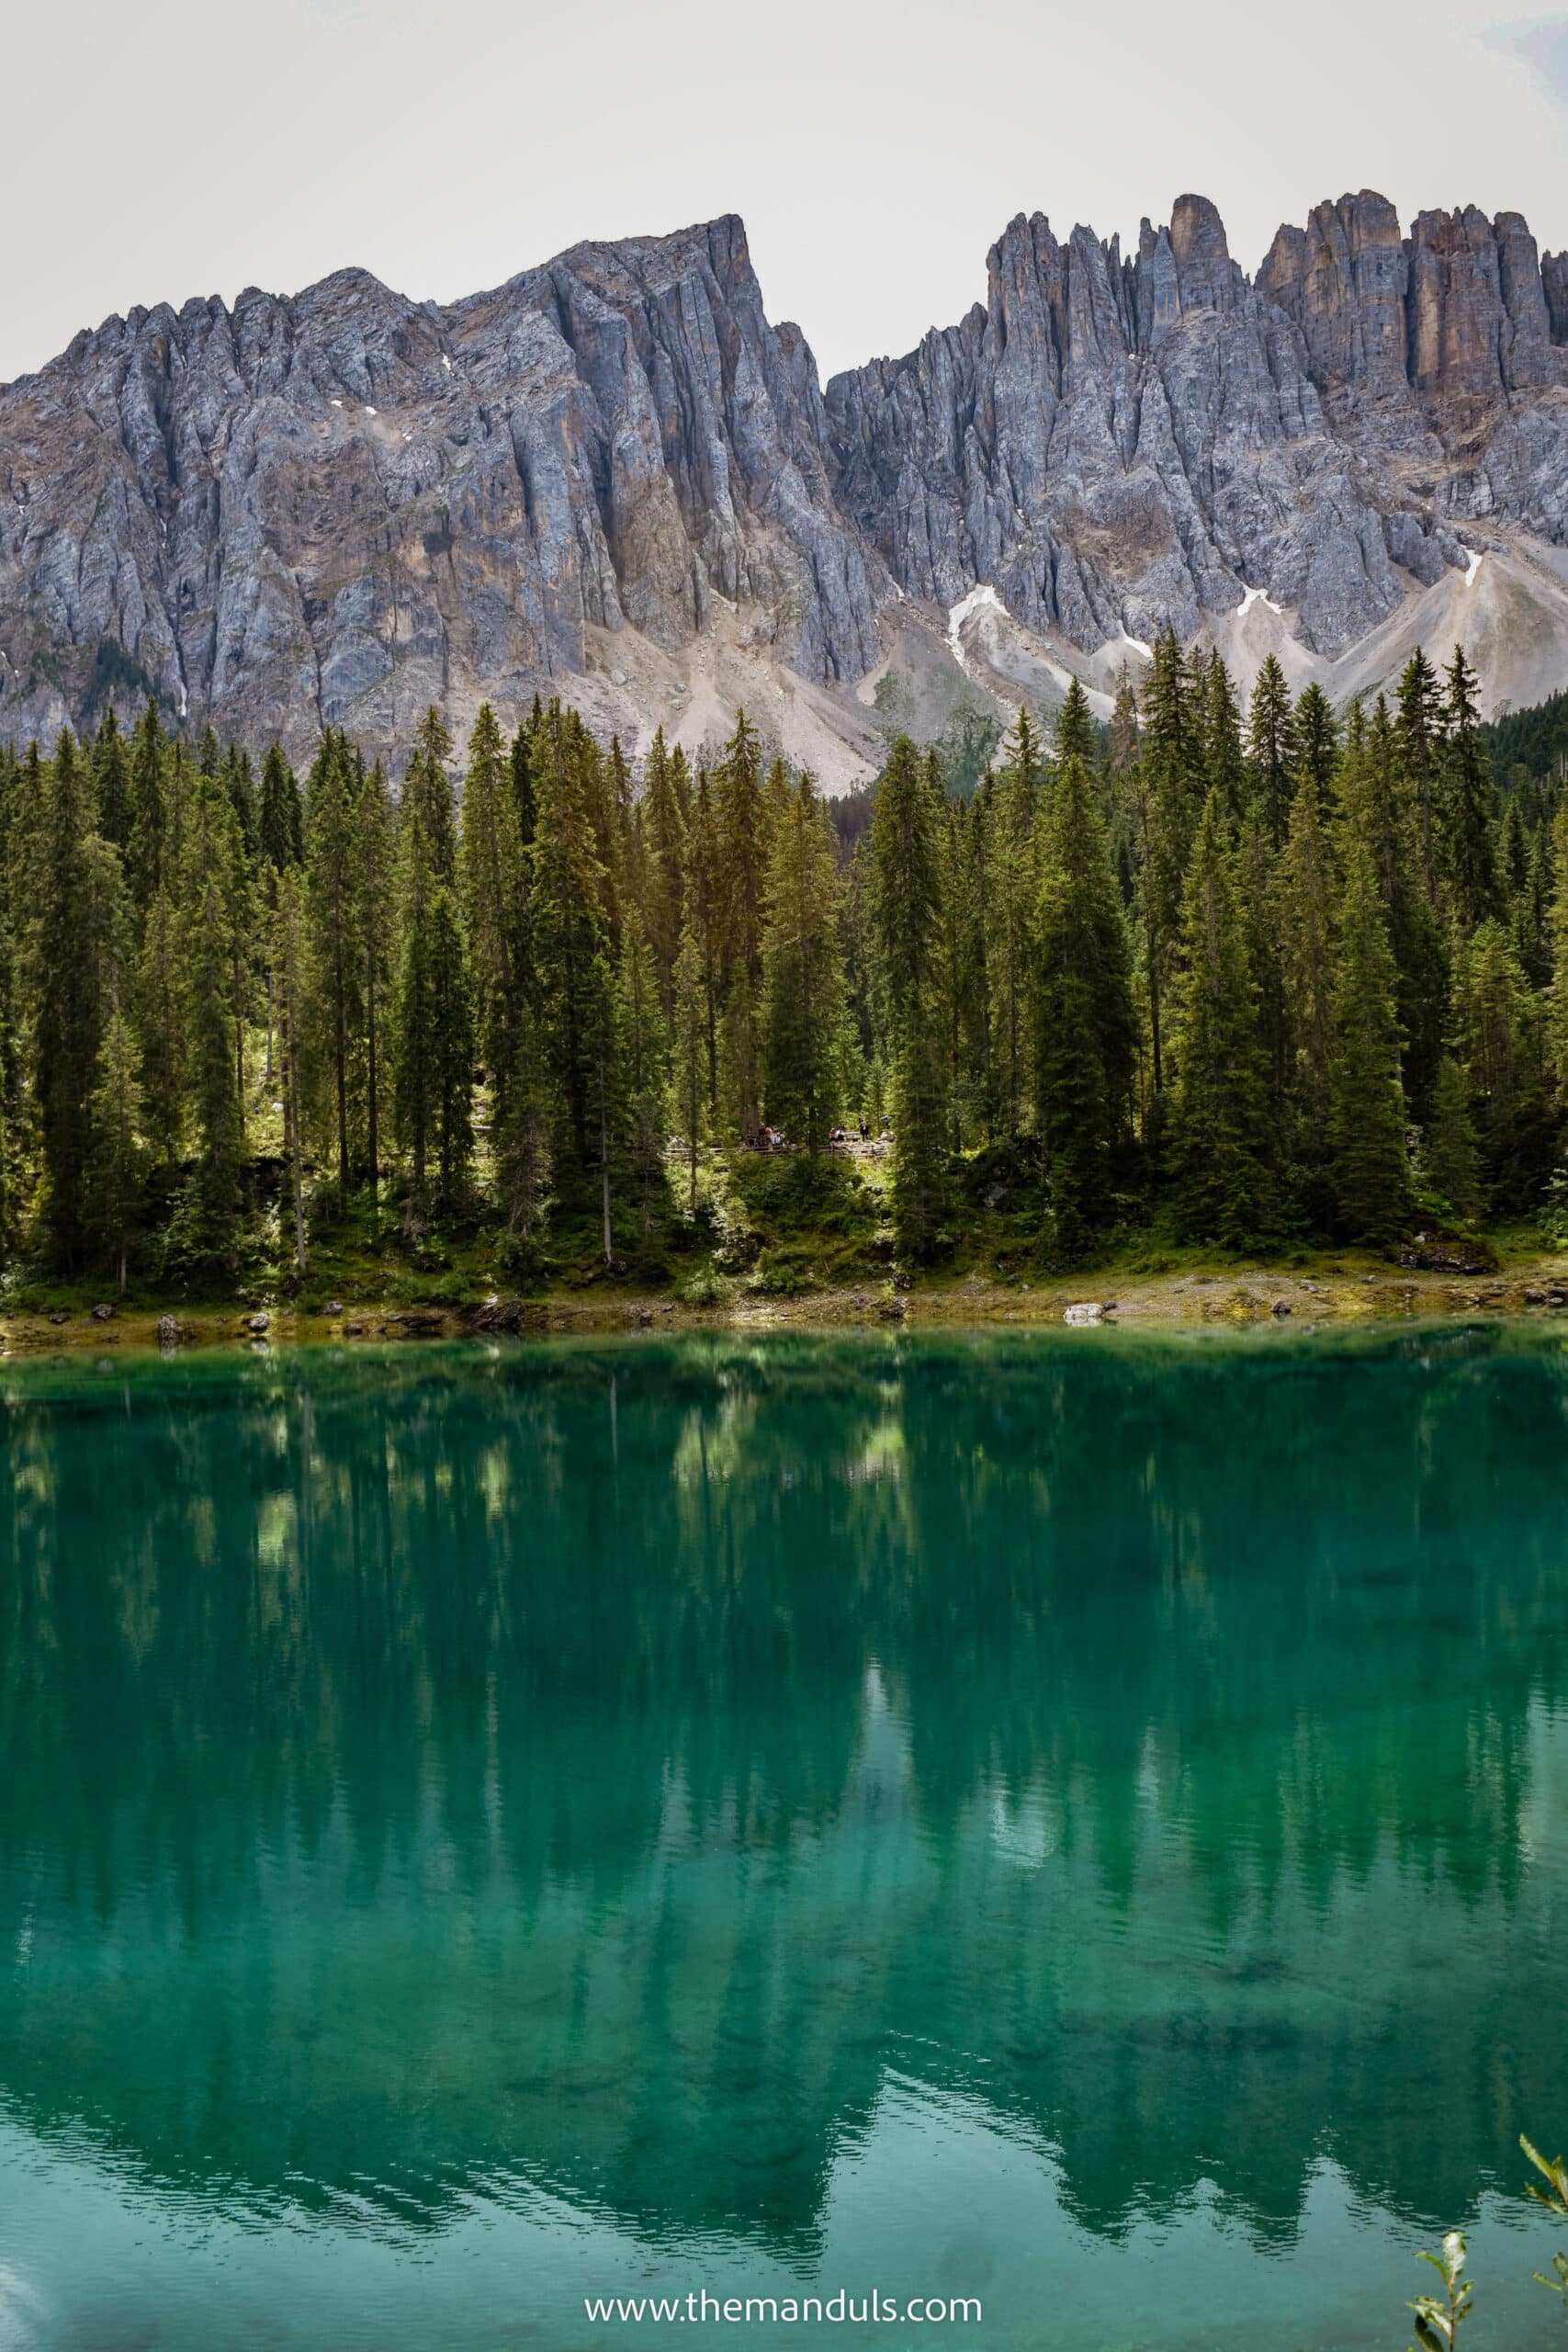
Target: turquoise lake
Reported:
point(1074, 1822)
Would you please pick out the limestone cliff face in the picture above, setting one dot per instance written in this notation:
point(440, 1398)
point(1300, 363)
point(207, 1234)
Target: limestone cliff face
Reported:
point(338, 507)
point(1123, 443)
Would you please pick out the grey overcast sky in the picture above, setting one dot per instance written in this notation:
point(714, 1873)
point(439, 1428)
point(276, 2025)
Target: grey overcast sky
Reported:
point(874, 147)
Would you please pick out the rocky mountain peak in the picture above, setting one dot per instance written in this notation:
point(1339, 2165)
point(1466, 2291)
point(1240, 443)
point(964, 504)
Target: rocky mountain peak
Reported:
point(615, 477)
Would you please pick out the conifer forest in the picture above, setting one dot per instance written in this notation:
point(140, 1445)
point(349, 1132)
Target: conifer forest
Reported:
point(1236, 976)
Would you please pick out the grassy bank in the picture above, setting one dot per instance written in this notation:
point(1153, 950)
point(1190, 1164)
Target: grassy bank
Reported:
point(773, 1241)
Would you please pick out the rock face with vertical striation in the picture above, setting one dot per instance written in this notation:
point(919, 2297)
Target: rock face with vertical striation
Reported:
point(337, 507)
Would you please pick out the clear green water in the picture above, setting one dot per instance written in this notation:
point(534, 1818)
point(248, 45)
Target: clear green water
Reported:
point(1074, 1823)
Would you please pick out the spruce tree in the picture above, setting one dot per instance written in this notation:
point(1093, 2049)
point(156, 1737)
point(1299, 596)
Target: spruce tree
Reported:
point(665, 830)
point(1368, 1126)
point(150, 863)
point(118, 1153)
point(207, 962)
point(69, 1011)
point(375, 901)
point(1468, 801)
point(1225, 1182)
point(280, 819)
point(642, 1062)
point(288, 958)
point(112, 778)
point(1173, 796)
point(1085, 1027)
point(802, 992)
point(434, 1056)
point(335, 1015)
point(1452, 1161)
point(906, 841)
point(1418, 728)
point(1317, 748)
point(1225, 762)
point(1272, 748)
point(1306, 925)
point(1014, 883)
point(740, 818)
point(690, 1054)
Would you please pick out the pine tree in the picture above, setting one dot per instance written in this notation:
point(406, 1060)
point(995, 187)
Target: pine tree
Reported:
point(1557, 992)
point(1453, 1164)
point(68, 1007)
point(1074, 733)
point(375, 897)
point(206, 965)
point(642, 1061)
point(1225, 762)
point(112, 778)
point(1419, 732)
point(690, 1054)
point(1272, 748)
point(335, 1016)
point(906, 841)
point(150, 863)
point(1084, 1054)
point(240, 784)
point(160, 1032)
point(117, 1151)
point(288, 958)
point(280, 821)
point(493, 891)
point(1306, 926)
point(666, 856)
point(1502, 1039)
point(802, 992)
point(1012, 811)
point(1470, 798)
point(434, 1055)
point(740, 816)
point(1226, 1183)
point(1368, 1126)
point(1317, 748)
point(1173, 796)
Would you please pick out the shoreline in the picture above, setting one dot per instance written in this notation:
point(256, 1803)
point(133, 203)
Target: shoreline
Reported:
point(1319, 1296)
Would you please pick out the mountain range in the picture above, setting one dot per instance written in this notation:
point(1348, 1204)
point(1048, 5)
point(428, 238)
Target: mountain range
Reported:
point(614, 477)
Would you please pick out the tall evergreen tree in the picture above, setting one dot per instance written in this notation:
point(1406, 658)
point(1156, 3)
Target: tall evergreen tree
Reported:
point(1370, 1168)
point(906, 838)
point(1272, 748)
point(1470, 798)
point(335, 1016)
point(803, 997)
point(1084, 1057)
point(69, 1010)
point(434, 1055)
point(1225, 1182)
point(280, 819)
point(117, 1167)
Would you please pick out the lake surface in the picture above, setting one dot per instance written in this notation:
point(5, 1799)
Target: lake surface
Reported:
point(1070, 1821)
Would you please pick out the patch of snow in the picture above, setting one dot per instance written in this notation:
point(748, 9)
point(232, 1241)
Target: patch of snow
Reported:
point(1248, 598)
point(1471, 569)
point(334, 404)
point(979, 600)
point(408, 436)
point(1138, 645)
point(368, 410)
point(446, 363)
